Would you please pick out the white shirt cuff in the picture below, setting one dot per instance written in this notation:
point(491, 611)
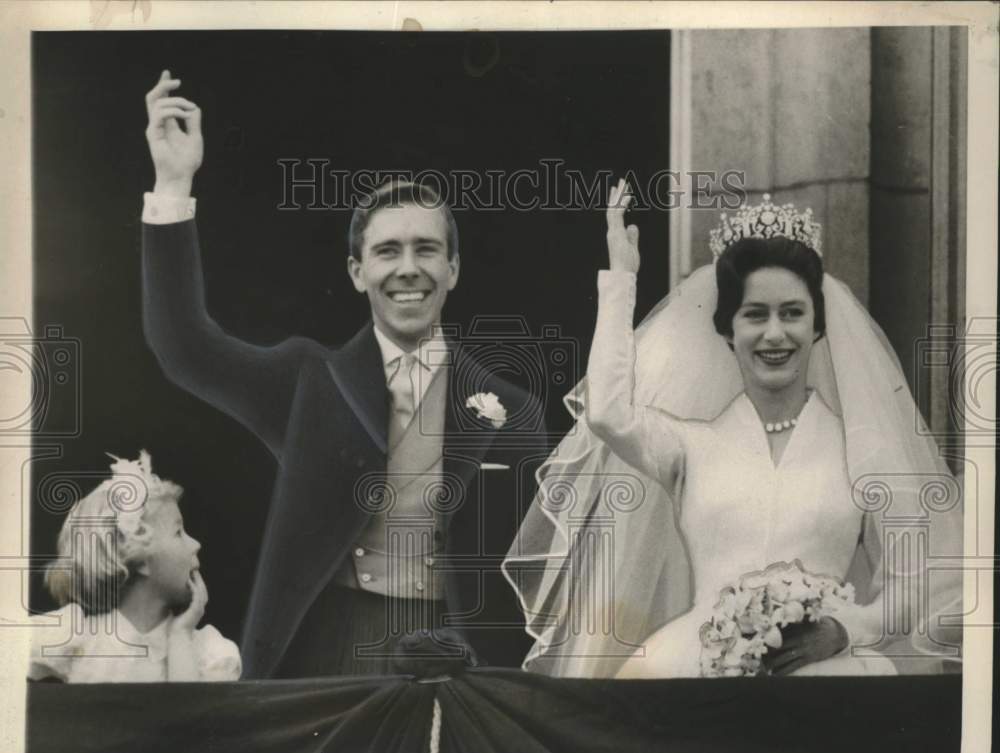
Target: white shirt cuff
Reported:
point(158, 209)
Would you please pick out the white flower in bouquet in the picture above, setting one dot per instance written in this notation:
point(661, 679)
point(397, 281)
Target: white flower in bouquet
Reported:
point(734, 657)
point(788, 613)
point(727, 603)
point(779, 591)
point(754, 581)
point(748, 617)
point(772, 637)
point(753, 618)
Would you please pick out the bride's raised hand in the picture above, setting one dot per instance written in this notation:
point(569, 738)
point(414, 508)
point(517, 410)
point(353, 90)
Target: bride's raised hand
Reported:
point(623, 242)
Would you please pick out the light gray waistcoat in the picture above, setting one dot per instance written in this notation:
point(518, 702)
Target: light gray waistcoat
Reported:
point(395, 553)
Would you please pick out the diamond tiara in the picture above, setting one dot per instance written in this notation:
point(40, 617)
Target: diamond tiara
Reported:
point(766, 220)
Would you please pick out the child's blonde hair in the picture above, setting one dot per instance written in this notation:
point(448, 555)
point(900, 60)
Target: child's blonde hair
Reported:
point(104, 533)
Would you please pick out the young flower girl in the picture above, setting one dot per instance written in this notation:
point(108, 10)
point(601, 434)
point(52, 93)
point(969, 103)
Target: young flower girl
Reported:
point(127, 577)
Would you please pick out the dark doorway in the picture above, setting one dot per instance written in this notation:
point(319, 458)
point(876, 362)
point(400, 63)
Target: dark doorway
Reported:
point(361, 101)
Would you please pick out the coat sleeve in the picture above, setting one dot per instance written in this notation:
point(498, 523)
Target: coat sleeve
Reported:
point(253, 384)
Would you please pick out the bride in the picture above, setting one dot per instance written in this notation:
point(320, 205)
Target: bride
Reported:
point(757, 415)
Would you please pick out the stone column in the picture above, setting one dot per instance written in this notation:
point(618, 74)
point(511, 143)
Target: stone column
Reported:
point(917, 204)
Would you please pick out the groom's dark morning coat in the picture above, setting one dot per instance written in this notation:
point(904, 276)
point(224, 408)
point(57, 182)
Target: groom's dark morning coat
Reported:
point(324, 415)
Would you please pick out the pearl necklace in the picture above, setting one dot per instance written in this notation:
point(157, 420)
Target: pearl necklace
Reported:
point(776, 427)
point(779, 426)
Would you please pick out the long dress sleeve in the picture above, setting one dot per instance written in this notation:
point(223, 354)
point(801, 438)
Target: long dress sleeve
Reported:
point(644, 437)
point(254, 384)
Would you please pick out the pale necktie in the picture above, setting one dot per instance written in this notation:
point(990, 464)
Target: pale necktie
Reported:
point(402, 390)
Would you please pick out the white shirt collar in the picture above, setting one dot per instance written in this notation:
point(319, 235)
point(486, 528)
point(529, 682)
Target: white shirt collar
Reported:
point(431, 354)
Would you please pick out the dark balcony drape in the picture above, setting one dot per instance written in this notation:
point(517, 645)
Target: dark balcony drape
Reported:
point(493, 710)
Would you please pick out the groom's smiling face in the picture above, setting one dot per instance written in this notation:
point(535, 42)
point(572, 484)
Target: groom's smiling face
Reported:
point(406, 271)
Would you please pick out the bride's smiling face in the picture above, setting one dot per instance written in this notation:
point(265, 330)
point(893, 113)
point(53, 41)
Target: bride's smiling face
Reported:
point(773, 330)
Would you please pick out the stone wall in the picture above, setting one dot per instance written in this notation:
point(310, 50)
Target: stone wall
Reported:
point(791, 109)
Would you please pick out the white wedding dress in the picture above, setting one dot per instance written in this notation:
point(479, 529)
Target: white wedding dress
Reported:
point(739, 510)
point(665, 491)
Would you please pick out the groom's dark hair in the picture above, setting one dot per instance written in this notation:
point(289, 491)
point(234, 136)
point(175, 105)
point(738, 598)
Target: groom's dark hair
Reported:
point(395, 194)
point(750, 254)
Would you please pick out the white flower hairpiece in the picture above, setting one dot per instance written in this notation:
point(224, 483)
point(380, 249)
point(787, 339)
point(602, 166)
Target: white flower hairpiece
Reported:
point(131, 485)
point(488, 406)
point(766, 220)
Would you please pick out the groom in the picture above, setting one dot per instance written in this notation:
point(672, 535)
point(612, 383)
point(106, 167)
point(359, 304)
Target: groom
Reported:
point(399, 488)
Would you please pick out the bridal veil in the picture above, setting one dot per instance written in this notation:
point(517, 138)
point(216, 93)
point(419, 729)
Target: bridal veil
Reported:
point(599, 563)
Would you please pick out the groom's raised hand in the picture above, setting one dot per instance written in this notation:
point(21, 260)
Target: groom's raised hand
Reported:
point(177, 152)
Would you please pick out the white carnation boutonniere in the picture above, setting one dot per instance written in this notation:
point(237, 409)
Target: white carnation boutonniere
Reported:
point(488, 406)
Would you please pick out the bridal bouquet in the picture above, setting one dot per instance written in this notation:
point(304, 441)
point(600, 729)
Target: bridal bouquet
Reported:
point(747, 619)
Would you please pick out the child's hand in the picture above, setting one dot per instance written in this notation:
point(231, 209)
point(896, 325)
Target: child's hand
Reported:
point(189, 619)
point(182, 662)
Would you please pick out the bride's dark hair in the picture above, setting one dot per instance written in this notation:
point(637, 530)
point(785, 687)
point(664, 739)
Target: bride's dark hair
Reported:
point(750, 254)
